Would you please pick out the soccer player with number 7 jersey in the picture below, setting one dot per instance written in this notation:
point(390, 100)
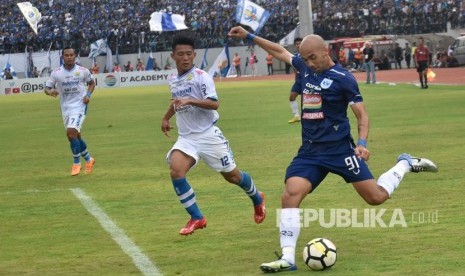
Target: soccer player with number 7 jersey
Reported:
point(74, 85)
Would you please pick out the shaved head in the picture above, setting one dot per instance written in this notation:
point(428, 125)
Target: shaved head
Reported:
point(314, 52)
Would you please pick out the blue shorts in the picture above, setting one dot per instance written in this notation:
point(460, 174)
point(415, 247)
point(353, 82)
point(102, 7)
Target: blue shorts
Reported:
point(296, 87)
point(315, 160)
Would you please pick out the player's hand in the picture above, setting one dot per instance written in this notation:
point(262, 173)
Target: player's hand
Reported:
point(362, 152)
point(86, 100)
point(166, 127)
point(53, 93)
point(238, 32)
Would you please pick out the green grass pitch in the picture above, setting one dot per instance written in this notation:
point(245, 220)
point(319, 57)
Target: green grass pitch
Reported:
point(45, 230)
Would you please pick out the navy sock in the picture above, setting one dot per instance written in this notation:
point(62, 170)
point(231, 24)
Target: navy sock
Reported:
point(84, 152)
point(247, 185)
point(187, 197)
point(76, 149)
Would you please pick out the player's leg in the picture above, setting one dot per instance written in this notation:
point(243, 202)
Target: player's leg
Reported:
point(90, 161)
point(296, 189)
point(368, 72)
point(420, 75)
point(294, 105)
point(373, 72)
point(375, 193)
point(243, 180)
point(425, 76)
point(73, 125)
point(180, 163)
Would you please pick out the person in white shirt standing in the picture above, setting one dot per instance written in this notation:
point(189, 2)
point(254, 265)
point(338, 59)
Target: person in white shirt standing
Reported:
point(194, 103)
point(74, 85)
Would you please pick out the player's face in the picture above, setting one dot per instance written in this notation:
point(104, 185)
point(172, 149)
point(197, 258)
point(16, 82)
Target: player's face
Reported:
point(69, 57)
point(316, 59)
point(297, 46)
point(184, 56)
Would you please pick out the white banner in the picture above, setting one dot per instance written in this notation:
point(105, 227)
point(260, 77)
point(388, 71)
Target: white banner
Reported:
point(107, 80)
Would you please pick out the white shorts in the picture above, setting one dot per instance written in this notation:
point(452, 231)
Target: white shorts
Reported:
point(211, 146)
point(74, 121)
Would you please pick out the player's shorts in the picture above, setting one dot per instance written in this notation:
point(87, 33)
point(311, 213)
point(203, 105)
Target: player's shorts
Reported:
point(422, 66)
point(315, 160)
point(211, 146)
point(74, 121)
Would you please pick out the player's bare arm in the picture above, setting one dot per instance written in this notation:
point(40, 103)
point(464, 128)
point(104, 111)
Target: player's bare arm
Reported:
point(274, 49)
point(165, 122)
point(363, 126)
point(90, 90)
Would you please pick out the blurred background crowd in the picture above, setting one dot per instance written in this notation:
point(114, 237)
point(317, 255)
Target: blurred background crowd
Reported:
point(124, 23)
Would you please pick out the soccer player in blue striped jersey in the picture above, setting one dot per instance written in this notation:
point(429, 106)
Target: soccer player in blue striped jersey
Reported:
point(74, 85)
point(194, 103)
point(327, 145)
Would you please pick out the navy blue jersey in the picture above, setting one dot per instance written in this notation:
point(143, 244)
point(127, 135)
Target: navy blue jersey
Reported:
point(325, 98)
point(296, 87)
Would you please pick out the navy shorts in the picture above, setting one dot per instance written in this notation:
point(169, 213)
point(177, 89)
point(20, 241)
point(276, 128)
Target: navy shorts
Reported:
point(296, 87)
point(315, 160)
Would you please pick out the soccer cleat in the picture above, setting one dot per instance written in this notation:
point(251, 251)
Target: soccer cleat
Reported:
point(278, 266)
point(90, 165)
point(192, 225)
point(260, 210)
point(418, 164)
point(76, 169)
point(294, 120)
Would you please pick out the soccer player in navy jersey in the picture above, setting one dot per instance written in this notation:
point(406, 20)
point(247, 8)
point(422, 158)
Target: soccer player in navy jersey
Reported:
point(327, 145)
point(194, 103)
point(295, 90)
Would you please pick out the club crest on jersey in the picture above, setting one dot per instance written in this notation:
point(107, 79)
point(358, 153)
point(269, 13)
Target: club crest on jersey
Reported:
point(326, 83)
point(190, 77)
point(77, 74)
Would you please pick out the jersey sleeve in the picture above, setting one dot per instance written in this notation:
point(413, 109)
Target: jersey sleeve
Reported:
point(298, 63)
point(88, 76)
point(352, 92)
point(50, 83)
point(207, 87)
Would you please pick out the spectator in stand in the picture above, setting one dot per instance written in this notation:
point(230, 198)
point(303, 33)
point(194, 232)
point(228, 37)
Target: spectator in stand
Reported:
point(358, 56)
point(128, 67)
point(408, 54)
point(116, 68)
point(155, 65)
point(237, 64)
point(398, 56)
point(95, 69)
point(269, 63)
point(252, 60)
point(140, 65)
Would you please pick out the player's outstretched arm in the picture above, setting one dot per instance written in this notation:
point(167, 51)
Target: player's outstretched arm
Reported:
point(274, 49)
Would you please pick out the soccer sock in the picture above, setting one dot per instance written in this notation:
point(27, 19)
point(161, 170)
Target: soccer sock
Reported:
point(421, 79)
point(187, 197)
point(84, 152)
point(391, 179)
point(294, 108)
point(247, 185)
point(289, 229)
point(76, 149)
point(425, 77)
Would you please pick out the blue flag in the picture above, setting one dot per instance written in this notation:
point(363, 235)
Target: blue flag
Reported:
point(166, 22)
point(204, 60)
point(251, 14)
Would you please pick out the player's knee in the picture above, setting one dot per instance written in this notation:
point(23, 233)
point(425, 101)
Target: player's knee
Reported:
point(375, 199)
point(176, 173)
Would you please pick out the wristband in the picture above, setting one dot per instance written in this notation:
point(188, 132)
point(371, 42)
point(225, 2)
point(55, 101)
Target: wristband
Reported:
point(362, 142)
point(250, 37)
point(89, 94)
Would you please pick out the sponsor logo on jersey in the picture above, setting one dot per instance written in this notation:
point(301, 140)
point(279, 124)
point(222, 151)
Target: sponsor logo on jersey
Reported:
point(313, 116)
point(313, 87)
point(311, 101)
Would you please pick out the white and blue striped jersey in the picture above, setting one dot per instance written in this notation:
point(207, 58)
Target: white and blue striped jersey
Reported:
point(72, 87)
point(194, 84)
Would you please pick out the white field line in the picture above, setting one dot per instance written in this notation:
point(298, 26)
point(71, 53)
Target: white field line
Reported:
point(143, 263)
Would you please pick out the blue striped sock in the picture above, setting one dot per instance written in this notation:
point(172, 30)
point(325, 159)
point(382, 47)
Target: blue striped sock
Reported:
point(84, 152)
point(187, 197)
point(247, 185)
point(76, 149)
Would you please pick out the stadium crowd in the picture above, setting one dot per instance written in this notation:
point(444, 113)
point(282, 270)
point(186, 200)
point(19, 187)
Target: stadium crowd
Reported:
point(125, 23)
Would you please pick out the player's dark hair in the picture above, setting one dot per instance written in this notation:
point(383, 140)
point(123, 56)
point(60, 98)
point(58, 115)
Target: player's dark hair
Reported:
point(298, 39)
point(184, 38)
point(69, 48)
